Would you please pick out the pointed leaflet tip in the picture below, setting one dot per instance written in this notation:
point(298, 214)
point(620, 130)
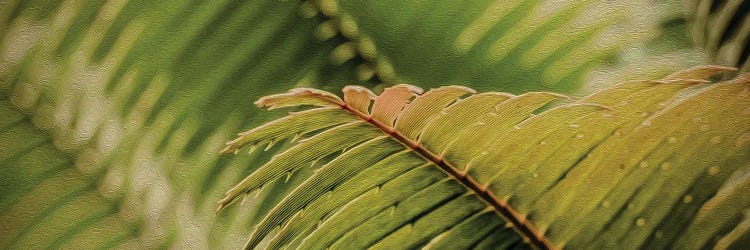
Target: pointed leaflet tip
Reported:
point(218, 209)
point(270, 145)
point(299, 96)
point(295, 138)
point(288, 176)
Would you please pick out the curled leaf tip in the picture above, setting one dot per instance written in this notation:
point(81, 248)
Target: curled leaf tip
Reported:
point(359, 89)
point(412, 88)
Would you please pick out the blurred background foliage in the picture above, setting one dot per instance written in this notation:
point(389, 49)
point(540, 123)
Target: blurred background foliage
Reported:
point(112, 113)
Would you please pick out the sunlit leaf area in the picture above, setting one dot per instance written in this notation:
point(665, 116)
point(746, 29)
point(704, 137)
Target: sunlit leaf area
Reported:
point(389, 124)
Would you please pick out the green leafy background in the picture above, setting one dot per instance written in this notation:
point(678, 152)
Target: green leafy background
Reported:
point(112, 113)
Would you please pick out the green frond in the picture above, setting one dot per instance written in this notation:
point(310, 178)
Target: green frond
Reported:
point(113, 114)
point(640, 164)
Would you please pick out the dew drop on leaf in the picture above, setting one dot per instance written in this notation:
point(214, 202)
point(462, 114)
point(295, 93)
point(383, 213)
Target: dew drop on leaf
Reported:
point(713, 170)
point(640, 222)
point(687, 199)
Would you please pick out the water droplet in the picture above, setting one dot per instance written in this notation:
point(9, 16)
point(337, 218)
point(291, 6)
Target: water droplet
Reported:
point(672, 140)
point(705, 127)
point(696, 119)
point(573, 125)
point(535, 175)
point(542, 142)
point(713, 170)
point(606, 204)
point(579, 136)
point(640, 222)
point(645, 114)
point(687, 199)
point(646, 123)
point(631, 206)
point(716, 139)
point(665, 166)
point(644, 164)
point(618, 133)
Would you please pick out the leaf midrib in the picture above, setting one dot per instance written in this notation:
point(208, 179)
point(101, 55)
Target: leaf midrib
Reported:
point(519, 222)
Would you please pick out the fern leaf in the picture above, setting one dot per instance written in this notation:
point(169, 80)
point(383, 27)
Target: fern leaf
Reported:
point(604, 170)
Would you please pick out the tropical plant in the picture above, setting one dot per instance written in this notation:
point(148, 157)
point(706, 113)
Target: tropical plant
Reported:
point(113, 112)
point(649, 164)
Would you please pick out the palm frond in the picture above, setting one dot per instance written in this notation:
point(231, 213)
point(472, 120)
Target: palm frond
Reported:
point(125, 103)
point(639, 164)
point(114, 112)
